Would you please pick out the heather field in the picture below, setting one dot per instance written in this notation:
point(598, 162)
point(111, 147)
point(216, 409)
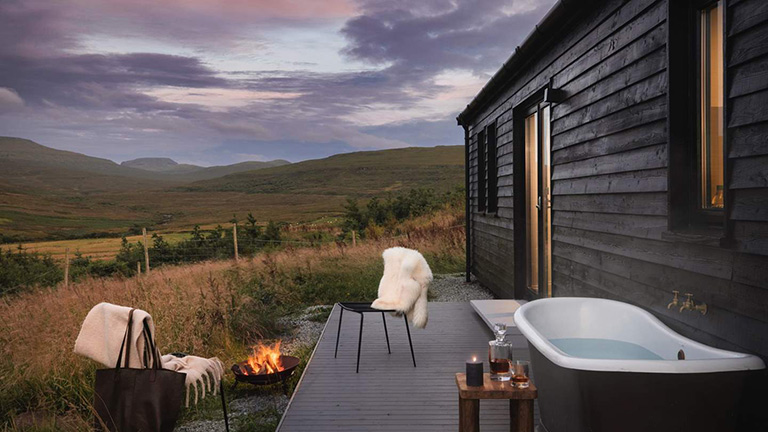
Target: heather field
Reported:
point(211, 308)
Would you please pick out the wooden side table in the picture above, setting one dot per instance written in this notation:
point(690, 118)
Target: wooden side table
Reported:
point(520, 403)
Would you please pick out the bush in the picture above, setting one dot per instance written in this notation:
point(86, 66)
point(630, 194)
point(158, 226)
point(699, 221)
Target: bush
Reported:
point(22, 270)
point(382, 215)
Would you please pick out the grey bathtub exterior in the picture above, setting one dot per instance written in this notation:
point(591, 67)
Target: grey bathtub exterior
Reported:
point(572, 400)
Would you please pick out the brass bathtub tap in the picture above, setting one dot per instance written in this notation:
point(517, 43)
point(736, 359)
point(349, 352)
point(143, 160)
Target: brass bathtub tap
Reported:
point(674, 301)
point(689, 304)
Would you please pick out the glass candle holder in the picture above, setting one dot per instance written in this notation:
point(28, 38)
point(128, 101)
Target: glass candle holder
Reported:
point(500, 354)
point(520, 372)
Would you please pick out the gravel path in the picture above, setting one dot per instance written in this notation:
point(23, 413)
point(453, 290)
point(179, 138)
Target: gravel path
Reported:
point(307, 327)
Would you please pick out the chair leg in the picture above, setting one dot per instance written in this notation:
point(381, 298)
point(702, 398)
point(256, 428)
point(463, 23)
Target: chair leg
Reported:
point(338, 332)
point(413, 356)
point(224, 405)
point(386, 333)
point(359, 344)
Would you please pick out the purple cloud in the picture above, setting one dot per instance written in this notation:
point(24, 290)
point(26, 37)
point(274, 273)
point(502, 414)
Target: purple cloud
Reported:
point(161, 79)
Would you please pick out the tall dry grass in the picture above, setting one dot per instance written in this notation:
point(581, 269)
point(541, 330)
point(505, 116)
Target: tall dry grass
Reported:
point(209, 309)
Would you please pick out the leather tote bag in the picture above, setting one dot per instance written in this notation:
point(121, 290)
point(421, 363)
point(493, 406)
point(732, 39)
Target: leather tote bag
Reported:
point(138, 400)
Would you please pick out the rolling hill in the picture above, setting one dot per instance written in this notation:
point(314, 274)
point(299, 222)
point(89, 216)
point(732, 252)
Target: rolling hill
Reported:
point(353, 174)
point(189, 173)
point(28, 167)
point(164, 165)
point(54, 194)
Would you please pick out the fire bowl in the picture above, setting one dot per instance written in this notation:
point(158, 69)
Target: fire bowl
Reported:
point(289, 364)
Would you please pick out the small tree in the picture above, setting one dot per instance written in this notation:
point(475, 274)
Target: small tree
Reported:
point(272, 233)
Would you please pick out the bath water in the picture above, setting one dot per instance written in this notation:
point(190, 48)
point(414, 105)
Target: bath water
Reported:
point(603, 349)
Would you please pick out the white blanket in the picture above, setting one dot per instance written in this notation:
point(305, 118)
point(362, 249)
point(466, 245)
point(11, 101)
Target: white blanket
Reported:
point(102, 333)
point(404, 285)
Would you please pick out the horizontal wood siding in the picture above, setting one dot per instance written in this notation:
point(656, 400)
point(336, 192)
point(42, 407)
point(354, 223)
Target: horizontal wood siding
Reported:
point(748, 124)
point(610, 174)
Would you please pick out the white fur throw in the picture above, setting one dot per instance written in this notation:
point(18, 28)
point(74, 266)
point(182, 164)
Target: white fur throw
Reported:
point(404, 284)
point(101, 336)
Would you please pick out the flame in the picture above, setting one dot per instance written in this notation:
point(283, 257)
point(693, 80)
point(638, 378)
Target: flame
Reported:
point(266, 359)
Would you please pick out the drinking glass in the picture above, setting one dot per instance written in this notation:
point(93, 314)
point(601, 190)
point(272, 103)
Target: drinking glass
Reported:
point(520, 374)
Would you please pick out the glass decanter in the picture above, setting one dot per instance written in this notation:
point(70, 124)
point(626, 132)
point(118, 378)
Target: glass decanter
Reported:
point(500, 354)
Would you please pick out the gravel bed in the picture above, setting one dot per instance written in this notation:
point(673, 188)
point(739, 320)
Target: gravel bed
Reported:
point(454, 288)
point(306, 328)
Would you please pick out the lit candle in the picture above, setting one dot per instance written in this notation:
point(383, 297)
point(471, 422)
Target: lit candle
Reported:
point(475, 372)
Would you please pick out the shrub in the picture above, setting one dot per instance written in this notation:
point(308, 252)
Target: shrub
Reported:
point(20, 270)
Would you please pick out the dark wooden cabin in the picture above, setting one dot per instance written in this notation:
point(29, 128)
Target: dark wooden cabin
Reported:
point(622, 152)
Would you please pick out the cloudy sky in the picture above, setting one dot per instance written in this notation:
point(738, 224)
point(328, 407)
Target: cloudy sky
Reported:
point(222, 81)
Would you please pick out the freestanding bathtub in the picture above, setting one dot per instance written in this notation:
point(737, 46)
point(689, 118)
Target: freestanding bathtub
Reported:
point(606, 366)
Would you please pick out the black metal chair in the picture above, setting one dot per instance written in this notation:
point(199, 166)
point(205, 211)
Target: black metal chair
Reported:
point(362, 308)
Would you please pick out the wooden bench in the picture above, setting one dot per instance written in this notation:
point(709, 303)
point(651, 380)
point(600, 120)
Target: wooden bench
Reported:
point(520, 403)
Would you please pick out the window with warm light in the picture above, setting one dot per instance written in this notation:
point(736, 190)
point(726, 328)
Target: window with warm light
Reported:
point(711, 118)
point(698, 144)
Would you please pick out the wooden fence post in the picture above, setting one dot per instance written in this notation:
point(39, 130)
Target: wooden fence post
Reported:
point(146, 250)
point(354, 238)
point(138, 269)
point(234, 237)
point(66, 267)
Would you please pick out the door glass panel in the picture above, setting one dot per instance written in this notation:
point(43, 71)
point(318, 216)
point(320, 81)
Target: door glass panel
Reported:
point(546, 199)
point(531, 201)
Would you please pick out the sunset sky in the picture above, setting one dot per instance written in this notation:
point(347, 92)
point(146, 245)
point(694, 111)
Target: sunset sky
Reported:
point(217, 82)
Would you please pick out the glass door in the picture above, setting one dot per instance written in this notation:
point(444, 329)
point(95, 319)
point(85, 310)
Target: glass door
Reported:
point(538, 201)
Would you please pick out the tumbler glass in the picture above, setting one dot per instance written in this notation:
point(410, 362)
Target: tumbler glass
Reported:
point(520, 374)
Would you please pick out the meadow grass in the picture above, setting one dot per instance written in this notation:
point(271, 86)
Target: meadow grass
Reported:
point(216, 308)
point(94, 248)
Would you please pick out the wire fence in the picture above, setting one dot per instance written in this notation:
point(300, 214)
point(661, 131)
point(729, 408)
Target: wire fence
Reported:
point(202, 249)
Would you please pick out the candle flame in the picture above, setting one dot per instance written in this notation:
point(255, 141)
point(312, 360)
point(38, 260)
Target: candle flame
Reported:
point(474, 359)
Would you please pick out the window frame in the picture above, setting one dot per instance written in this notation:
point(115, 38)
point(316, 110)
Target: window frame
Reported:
point(492, 168)
point(706, 216)
point(481, 174)
point(684, 121)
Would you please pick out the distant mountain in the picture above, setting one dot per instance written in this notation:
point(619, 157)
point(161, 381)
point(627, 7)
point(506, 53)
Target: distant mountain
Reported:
point(354, 174)
point(164, 165)
point(28, 166)
point(189, 173)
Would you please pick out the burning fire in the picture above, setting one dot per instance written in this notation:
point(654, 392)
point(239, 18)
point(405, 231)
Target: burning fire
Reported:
point(266, 359)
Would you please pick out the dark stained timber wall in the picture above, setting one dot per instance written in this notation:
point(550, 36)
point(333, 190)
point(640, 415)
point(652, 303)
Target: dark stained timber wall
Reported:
point(610, 155)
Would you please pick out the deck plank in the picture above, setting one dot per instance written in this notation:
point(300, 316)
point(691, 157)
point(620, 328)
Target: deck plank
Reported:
point(389, 394)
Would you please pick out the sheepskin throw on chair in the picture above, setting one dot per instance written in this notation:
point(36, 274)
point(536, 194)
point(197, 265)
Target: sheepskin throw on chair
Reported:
point(404, 284)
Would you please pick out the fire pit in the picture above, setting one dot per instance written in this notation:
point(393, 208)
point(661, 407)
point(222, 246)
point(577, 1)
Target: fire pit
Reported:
point(265, 366)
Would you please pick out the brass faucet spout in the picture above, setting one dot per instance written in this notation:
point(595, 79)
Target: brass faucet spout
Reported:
point(691, 305)
point(674, 301)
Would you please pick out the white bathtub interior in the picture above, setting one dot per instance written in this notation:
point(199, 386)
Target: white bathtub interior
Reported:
point(602, 331)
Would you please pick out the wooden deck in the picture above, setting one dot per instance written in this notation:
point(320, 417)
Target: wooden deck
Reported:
point(389, 393)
